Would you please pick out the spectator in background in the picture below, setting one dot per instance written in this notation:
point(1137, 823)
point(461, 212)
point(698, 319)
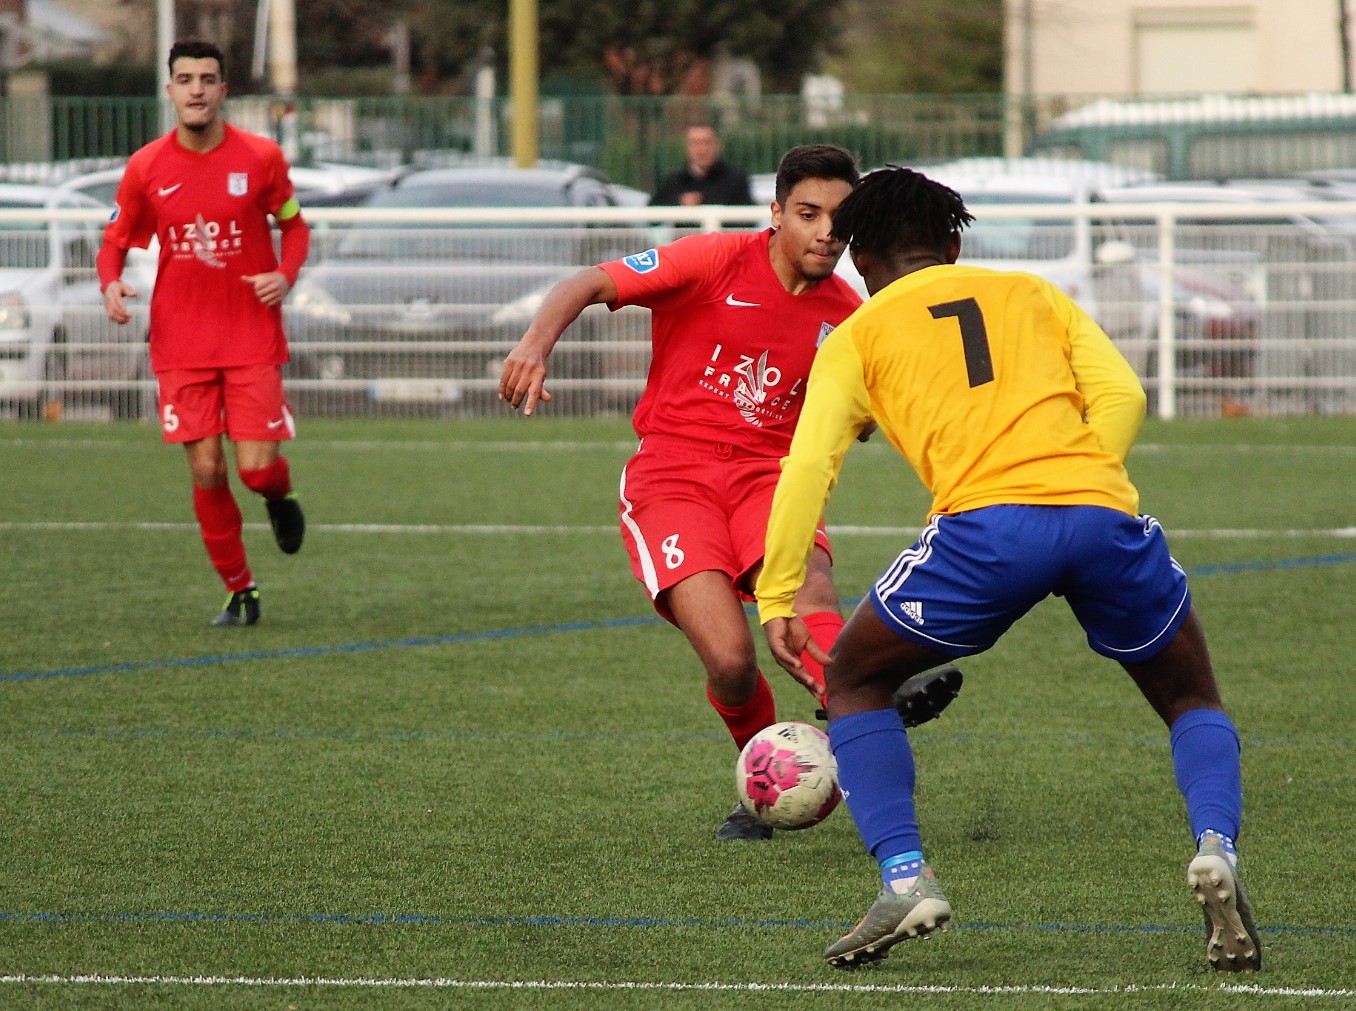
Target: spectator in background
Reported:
point(706, 178)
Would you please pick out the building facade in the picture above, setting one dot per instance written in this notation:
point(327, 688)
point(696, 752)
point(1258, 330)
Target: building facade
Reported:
point(1177, 47)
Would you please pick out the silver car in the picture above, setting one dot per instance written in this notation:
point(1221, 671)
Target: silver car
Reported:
point(58, 349)
point(425, 312)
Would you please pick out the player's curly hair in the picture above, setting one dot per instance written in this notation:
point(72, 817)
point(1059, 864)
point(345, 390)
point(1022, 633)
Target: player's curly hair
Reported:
point(196, 49)
point(814, 161)
point(896, 209)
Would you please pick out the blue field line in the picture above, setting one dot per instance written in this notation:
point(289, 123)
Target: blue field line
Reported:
point(697, 923)
point(1279, 563)
point(351, 647)
point(122, 734)
point(514, 633)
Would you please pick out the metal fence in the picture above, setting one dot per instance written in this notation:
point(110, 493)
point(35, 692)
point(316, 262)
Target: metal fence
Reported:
point(1221, 309)
point(635, 140)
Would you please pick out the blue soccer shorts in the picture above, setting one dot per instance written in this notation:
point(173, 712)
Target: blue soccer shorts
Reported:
point(972, 574)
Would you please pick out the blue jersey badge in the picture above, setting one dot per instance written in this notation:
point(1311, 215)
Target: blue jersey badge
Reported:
point(643, 263)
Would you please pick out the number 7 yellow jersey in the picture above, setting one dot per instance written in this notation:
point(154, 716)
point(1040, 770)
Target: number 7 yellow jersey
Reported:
point(994, 385)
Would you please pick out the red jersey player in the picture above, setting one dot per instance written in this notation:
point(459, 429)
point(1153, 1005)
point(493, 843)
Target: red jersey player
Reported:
point(736, 319)
point(206, 191)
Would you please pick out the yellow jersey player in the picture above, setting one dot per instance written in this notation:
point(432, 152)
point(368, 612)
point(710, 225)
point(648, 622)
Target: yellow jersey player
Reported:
point(1017, 413)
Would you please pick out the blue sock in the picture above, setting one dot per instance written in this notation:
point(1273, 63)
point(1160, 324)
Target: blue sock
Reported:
point(901, 868)
point(1205, 757)
point(875, 770)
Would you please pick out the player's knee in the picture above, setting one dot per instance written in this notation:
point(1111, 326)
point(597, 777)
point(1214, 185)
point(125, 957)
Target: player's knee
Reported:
point(208, 474)
point(841, 678)
point(732, 675)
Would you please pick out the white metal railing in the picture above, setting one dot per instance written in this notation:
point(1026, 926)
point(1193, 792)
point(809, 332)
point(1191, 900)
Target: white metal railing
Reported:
point(1220, 307)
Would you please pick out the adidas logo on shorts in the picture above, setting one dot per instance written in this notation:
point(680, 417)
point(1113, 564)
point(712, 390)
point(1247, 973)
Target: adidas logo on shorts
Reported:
point(913, 610)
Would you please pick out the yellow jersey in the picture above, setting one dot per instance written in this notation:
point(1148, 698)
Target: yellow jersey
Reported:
point(994, 385)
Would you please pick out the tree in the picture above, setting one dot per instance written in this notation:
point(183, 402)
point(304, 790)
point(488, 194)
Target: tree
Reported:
point(638, 46)
point(924, 46)
point(650, 47)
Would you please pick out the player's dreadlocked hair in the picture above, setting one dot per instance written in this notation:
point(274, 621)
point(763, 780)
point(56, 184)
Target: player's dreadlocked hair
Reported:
point(896, 209)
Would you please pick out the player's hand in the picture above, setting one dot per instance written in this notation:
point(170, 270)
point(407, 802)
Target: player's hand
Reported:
point(788, 638)
point(868, 430)
point(522, 381)
point(269, 288)
point(114, 304)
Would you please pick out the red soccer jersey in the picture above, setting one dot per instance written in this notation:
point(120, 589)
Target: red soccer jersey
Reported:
point(732, 347)
point(210, 212)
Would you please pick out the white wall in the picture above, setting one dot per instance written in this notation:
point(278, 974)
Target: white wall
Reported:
point(1131, 47)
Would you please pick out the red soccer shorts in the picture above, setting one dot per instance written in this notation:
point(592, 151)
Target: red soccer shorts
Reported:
point(245, 402)
point(689, 506)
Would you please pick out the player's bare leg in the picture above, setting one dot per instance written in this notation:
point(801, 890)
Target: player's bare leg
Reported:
point(712, 617)
point(1181, 677)
point(871, 662)
point(920, 696)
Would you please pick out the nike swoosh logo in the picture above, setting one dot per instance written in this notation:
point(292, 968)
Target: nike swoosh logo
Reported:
point(731, 300)
point(165, 191)
point(278, 423)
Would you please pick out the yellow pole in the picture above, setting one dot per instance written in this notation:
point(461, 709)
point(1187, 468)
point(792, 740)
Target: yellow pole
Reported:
point(523, 45)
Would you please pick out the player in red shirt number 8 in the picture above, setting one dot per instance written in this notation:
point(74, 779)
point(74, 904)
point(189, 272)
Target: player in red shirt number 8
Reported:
point(736, 320)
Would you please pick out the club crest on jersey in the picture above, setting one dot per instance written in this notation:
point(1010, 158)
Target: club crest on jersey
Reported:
point(238, 184)
point(643, 263)
point(824, 330)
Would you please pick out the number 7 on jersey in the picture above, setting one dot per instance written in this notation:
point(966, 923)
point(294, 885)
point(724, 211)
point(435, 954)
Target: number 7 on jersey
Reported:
point(974, 337)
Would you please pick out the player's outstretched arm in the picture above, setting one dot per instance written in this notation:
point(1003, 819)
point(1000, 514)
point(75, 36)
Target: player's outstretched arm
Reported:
point(522, 381)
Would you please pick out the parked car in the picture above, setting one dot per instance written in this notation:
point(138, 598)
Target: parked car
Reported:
point(1297, 269)
point(52, 322)
point(327, 184)
point(1101, 263)
point(427, 311)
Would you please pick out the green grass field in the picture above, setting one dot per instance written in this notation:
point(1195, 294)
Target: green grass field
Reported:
point(461, 764)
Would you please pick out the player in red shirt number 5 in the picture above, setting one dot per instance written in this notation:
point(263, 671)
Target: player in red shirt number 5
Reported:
point(206, 191)
point(736, 319)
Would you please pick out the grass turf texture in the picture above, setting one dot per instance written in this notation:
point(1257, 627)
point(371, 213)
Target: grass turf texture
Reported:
point(459, 747)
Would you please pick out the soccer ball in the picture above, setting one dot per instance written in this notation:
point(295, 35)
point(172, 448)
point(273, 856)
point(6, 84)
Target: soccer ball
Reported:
point(786, 776)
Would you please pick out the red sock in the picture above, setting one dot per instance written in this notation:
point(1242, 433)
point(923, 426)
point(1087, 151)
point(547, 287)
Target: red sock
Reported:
point(272, 482)
point(746, 720)
point(824, 627)
point(219, 518)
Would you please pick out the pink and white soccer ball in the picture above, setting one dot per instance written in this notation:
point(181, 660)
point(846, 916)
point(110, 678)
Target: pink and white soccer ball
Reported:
point(786, 776)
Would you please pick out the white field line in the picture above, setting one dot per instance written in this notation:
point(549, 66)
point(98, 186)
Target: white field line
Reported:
point(465, 984)
point(506, 445)
point(1223, 533)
